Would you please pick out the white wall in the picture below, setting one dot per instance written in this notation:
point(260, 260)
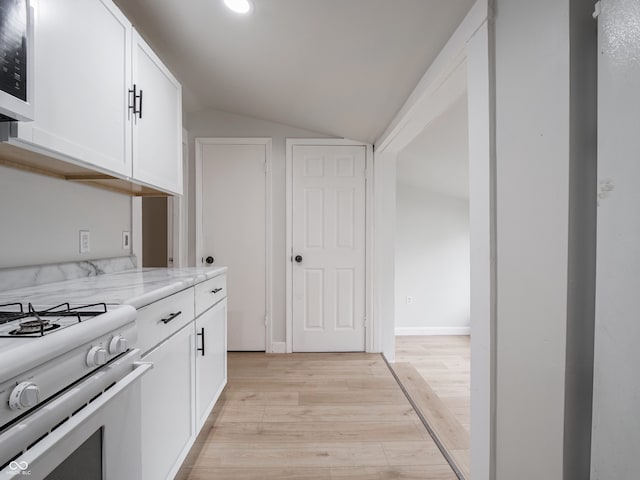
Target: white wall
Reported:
point(384, 222)
point(616, 396)
point(432, 262)
point(214, 123)
point(544, 148)
point(41, 217)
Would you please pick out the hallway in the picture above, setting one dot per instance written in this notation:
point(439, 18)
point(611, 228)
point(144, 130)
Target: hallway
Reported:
point(313, 416)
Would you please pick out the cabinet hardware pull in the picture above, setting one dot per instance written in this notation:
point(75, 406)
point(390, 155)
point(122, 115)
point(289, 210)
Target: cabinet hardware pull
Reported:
point(170, 317)
point(132, 99)
point(201, 334)
point(216, 290)
point(140, 105)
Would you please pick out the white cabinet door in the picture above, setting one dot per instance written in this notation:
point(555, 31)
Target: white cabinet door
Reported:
point(167, 399)
point(157, 132)
point(211, 359)
point(82, 76)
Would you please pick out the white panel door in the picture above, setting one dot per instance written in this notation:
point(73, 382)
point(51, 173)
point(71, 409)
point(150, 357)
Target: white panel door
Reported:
point(616, 392)
point(234, 235)
point(82, 76)
point(328, 248)
point(157, 132)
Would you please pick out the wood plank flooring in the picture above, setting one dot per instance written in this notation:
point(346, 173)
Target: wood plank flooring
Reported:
point(313, 416)
point(435, 371)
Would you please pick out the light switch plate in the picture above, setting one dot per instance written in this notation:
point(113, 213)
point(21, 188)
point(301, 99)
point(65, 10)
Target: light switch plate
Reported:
point(85, 241)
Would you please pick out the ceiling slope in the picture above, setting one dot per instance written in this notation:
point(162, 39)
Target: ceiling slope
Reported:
point(338, 67)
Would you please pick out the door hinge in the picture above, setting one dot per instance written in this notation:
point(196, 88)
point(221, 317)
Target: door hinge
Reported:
point(364, 322)
point(598, 10)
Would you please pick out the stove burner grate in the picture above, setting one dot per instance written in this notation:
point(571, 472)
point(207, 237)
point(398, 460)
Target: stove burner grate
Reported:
point(34, 326)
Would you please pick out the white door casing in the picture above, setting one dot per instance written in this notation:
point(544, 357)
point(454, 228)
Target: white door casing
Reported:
point(233, 217)
point(327, 300)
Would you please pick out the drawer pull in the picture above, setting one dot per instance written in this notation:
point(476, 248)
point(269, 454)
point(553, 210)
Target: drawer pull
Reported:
point(170, 317)
point(216, 290)
point(201, 334)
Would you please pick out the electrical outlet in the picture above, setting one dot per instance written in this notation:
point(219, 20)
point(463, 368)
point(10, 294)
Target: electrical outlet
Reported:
point(126, 240)
point(85, 241)
point(409, 300)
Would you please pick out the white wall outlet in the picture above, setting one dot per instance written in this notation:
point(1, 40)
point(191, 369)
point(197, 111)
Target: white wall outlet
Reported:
point(126, 240)
point(85, 241)
point(409, 300)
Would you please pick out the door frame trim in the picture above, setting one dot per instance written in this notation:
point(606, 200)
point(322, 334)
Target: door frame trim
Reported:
point(200, 142)
point(372, 338)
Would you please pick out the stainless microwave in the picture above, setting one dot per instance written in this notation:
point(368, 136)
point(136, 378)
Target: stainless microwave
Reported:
point(16, 60)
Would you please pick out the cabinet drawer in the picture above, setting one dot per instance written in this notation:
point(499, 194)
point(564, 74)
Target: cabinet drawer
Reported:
point(210, 292)
point(161, 319)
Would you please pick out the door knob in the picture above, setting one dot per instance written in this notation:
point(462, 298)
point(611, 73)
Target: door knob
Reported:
point(209, 260)
point(298, 258)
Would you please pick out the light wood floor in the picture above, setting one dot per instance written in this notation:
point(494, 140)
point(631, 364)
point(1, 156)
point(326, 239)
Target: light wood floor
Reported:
point(313, 416)
point(435, 370)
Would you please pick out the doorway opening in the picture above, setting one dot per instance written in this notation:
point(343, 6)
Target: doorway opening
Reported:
point(432, 278)
point(155, 245)
point(464, 66)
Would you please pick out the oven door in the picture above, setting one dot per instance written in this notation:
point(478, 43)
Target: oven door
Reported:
point(99, 440)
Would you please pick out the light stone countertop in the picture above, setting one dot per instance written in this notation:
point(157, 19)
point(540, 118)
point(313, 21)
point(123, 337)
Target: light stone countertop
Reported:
point(137, 287)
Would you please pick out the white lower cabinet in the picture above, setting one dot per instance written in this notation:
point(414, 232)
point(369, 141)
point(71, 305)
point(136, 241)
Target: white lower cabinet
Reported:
point(167, 405)
point(189, 357)
point(211, 359)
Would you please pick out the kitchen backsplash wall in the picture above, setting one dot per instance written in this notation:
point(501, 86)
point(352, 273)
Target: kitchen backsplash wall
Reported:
point(41, 218)
point(18, 277)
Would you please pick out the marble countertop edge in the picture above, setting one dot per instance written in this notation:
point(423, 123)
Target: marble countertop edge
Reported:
point(137, 287)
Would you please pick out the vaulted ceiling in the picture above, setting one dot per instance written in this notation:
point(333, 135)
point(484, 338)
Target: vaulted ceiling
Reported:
point(337, 67)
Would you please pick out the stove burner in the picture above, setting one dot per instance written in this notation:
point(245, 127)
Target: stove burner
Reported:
point(34, 326)
point(32, 322)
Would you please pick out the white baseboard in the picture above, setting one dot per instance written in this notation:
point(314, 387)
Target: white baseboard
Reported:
point(278, 347)
point(433, 331)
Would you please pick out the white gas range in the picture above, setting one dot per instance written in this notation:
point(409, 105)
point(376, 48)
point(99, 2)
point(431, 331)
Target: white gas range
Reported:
point(69, 392)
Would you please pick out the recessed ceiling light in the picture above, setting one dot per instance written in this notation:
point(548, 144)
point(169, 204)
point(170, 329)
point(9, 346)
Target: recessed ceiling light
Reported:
point(243, 7)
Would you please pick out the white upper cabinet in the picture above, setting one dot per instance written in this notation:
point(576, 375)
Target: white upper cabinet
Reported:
point(157, 133)
point(82, 76)
point(88, 58)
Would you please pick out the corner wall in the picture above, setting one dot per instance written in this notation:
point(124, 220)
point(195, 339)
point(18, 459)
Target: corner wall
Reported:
point(540, 139)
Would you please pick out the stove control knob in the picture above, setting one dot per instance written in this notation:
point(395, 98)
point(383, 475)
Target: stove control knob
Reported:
point(24, 395)
point(118, 345)
point(97, 356)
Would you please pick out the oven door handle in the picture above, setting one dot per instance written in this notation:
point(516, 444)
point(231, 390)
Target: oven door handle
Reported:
point(72, 423)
